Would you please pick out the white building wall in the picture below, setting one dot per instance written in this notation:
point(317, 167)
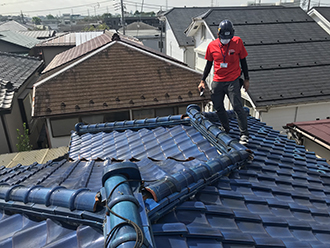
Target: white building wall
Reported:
point(189, 57)
point(279, 117)
point(319, 150)
point(172, 46)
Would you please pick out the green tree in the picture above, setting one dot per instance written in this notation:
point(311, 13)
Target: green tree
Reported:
point(50, 16)
point(23, 140)
point(36, 20)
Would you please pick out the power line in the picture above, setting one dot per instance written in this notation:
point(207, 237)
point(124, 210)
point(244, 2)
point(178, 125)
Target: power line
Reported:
point(128, 3)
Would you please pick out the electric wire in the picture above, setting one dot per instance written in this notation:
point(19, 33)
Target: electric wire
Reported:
point(139, 233)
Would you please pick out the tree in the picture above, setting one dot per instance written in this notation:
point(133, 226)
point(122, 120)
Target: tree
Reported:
point(23, 139)
point(50, 16)
point(36, 20)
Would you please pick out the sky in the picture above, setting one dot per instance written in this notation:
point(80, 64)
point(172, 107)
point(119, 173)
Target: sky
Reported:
point(84, 7)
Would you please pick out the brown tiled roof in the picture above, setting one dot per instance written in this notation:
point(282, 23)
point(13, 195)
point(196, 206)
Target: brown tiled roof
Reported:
point(77, 51)
point(114, 77)
point(319, 129)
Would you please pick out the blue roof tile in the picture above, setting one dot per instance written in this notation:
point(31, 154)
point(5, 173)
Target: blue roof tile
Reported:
point(196, 194)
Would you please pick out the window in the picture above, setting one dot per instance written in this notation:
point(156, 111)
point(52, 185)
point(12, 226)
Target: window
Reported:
point(63, 127)
point(164, 111)
point(92, 119)
point(116, 116)
point(143, 113)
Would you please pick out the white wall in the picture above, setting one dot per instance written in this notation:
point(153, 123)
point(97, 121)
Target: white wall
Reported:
point(172, 46)
point(189, 57)
point(319, 150)
point(279, 117)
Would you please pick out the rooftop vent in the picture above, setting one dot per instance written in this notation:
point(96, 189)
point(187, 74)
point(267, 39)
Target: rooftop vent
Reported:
point(105, 104)
point(131, 102)
point(91, 101)
point(179, 97)
point(155, 99)
point(167, 95)
point(77, 107)
point(142, 97)
point(63, 105)
point(117, 99)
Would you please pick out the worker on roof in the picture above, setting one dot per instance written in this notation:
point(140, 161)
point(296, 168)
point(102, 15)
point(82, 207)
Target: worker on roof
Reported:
point(227, 53)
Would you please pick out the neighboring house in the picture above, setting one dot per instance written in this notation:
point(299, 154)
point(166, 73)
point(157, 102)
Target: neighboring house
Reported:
point(114, 22)
point(178, 45)
point(15, 42)
point(17, 75)
point(321, 15)
point(109, 79)
point(51, 24)
point(39, 34)
point(51, 47)
point(288, 60)
point(150, 36)
point(314, 135)
point(40, 156)
point(14, 26)
point(200, 188)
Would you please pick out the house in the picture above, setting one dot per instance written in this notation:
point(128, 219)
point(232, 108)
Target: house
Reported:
point(51, 24)
point(39, 34)
point(200, 188)
point(321, 15)
point(14, 26)
point(17, 75)
point(288, 60)
point(15, 42)
point(51, 47)
point(178, 45)
point(150, 36)
point(110, 79)
point(314, 135)
point(40, 156)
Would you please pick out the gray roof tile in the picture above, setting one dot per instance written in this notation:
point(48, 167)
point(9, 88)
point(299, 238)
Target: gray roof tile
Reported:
point(179, 19)
point(17, 69)
point(288, 52)
point(18, 39)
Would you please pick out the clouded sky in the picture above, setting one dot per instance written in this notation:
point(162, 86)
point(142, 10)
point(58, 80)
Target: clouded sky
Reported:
point(84, 7)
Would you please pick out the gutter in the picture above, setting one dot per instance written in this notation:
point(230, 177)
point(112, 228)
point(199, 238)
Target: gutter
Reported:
point(309, 136)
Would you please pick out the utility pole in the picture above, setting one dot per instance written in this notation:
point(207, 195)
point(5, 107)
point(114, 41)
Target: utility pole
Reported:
point(309, 5)
point(22, 16)
point(122, 16)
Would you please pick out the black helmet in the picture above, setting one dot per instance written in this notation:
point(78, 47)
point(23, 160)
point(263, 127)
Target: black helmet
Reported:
point(226, 30)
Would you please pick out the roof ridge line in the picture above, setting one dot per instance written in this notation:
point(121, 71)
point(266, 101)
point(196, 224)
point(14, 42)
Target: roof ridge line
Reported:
point(287, 42)
point(221, 166)
point(78, 199)
point(289, 67)
point(134, 124)
point(19, 56)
